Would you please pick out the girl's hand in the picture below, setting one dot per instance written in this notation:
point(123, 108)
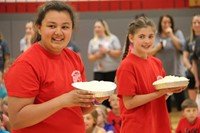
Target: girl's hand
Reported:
point(99, 54)
point(103, 49)
point(169, 31)
point(173, 90)
point(77, 97)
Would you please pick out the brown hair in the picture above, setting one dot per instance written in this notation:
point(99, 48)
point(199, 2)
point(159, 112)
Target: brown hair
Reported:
point(56, 6)
point(134, 26)
point(188, 103)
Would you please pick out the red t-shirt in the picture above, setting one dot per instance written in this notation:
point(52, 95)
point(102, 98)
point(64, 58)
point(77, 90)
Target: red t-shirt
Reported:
point(135, 76)
point(185, 127)
point(40, 74)
point(115, 121)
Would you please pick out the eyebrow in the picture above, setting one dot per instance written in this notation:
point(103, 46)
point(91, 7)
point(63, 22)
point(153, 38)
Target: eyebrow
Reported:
point(65, 23)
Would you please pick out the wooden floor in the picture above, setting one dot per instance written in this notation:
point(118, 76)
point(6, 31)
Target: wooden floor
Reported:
point(174, 119)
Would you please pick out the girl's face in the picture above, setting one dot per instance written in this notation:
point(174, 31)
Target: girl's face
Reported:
point(190, 114)
point(196, 24)
point(165, 24)
point(99, 29)
point(100, 118)
point(55, 30)
point(114, 102)
point(143, 41)
point(89, 121)
point(29, 28)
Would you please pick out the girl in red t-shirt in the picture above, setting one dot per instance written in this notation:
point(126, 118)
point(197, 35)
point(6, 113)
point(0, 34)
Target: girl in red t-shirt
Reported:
point(40, 95)
point(142, 108)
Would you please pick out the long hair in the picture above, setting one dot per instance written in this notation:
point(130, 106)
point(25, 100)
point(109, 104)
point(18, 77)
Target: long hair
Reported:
point(106, 27)
point(160, 25)
point(192, 33)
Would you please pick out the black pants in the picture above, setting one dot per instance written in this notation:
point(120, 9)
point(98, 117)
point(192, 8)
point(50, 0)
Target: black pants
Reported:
point(105, 76)
point(179, 98)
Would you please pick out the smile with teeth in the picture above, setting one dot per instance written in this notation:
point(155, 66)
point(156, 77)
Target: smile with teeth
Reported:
point(57, 39)
point(145, 46)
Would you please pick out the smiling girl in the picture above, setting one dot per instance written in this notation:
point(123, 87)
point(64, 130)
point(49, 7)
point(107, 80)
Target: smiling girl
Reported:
point(142, 108)
point(40, 95)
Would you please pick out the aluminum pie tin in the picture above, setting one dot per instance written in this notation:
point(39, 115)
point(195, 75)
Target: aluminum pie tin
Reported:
point(98, 88)
point(171, 85)
point(171, 82)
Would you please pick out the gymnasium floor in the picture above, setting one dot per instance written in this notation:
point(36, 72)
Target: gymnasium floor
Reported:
point(174, 118)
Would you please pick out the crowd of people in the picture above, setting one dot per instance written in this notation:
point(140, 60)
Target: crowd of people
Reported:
point(39, 81)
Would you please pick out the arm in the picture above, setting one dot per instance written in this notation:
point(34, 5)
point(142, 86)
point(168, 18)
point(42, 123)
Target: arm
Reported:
point(155, 50)
point(187, 63)
point(23, 112)
point(138, 100)
point(92, 57)
point(93, 54)
point(114, 53)
point(176, 40)
point(195, 73)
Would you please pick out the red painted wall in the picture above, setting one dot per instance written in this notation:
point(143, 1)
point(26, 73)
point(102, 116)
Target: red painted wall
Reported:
point(96, 6)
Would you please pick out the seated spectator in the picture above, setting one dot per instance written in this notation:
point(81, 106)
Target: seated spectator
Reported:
point(2, 130)
point(3, 119)
point(114, 113)
point(3, 92)
point(91, 123)
point(190, 123)
point(102, 119)
point(4, 110)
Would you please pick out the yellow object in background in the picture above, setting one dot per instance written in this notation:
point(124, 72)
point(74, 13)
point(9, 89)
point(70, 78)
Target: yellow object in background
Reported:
point(194, 3)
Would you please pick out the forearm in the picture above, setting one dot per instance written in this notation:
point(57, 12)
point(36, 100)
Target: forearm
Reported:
point(195, 71)
point(32, 114)
point(92, 57)
point(155, 50)
point(138, 100)
point(187, 63)
point(176, 42)
point(114, 53)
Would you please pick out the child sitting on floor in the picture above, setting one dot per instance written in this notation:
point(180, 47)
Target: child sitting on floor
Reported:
point(190, 123)
point(114, 113)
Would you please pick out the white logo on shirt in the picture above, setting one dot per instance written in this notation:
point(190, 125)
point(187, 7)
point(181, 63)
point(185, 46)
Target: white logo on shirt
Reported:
point(159, 77)
point(76, 76)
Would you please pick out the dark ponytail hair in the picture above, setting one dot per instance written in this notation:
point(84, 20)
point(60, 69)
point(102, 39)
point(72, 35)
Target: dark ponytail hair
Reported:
point(127, 44)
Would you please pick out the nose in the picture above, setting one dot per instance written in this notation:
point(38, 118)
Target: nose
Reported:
point(58, 31)
point(147, 40)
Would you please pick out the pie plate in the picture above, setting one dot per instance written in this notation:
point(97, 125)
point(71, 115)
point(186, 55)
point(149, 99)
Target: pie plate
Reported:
point(99, 88)
point(171, 82)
